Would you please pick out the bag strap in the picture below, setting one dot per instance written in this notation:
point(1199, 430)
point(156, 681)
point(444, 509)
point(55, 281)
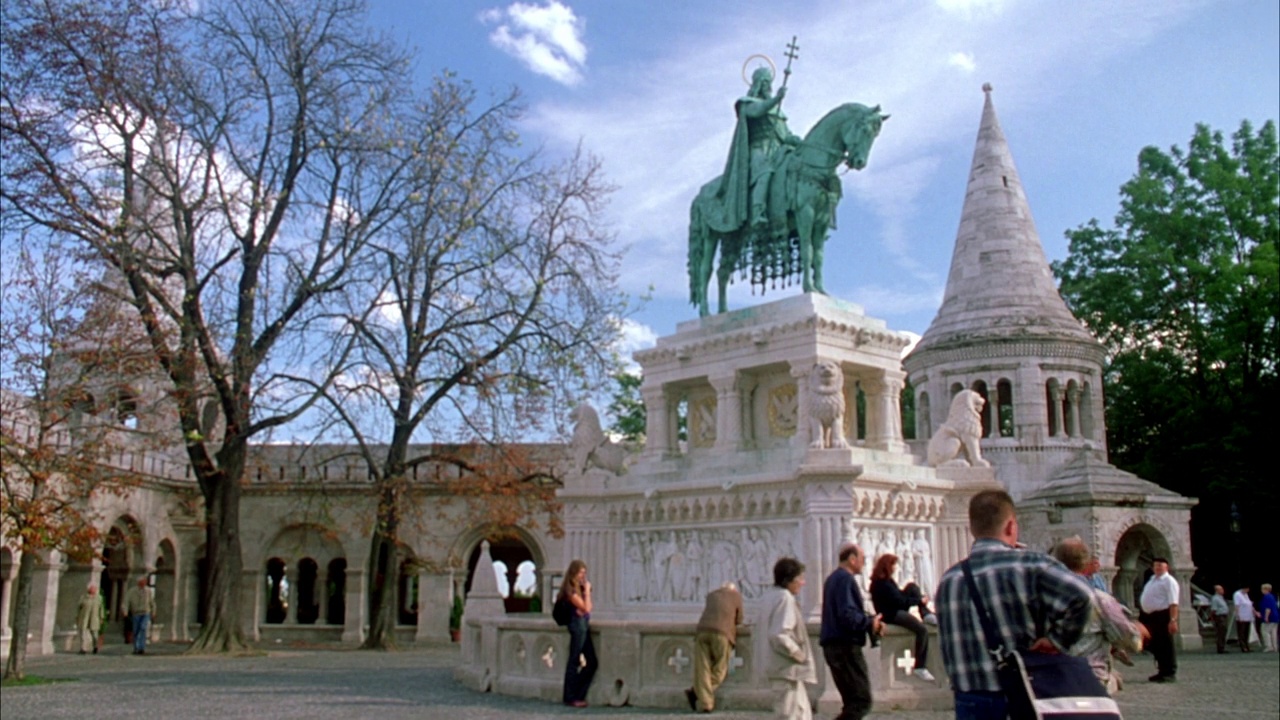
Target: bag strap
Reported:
point(994, 644)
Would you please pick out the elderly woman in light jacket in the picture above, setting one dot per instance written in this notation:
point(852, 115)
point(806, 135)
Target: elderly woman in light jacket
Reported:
point(790, 663)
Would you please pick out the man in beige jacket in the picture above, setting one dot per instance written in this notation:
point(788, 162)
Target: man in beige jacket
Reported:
point(790, 664)
point(89, 617)
point(712, 646)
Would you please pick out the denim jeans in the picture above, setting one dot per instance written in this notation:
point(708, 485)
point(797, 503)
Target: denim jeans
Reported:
point(141, 621)
point(577, 677)
point(981, 705)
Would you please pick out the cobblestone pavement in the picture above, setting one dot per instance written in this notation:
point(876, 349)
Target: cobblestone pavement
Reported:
point(347, 685)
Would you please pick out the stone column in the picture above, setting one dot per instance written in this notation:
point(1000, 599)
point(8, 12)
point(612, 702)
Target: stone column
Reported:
point(44, 602)
point(1059, 394)
point(1030, 416)
point(728, 413)
point(6, 599)
point(357, 606)
point(884, 425)
point(291, 600)
point(658, 423)
point(252, 596)
point(1073, 414)
point(435, 601)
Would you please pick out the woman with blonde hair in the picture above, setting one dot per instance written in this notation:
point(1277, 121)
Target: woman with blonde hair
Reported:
point(581, 664)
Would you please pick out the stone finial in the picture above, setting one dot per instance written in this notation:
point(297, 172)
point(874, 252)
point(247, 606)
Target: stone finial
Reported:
point(986, 87)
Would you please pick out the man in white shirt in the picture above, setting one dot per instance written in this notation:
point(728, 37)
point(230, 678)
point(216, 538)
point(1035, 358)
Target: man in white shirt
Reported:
point(1159, 605)
point(1244, 616)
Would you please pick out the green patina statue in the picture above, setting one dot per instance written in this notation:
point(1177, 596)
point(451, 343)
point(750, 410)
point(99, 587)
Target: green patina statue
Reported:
point(771, 210)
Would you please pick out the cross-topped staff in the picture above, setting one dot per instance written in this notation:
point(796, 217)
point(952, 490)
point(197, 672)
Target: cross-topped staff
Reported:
point(793, 52)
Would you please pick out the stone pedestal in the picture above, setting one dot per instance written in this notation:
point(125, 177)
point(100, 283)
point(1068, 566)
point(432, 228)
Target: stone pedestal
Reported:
point(769, 469)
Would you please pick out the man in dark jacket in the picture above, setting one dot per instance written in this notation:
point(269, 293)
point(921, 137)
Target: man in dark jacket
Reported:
point(845, 625)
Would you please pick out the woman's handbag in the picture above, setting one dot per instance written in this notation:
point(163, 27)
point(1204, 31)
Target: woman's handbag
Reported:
point(1043, 686)
point(562, 611)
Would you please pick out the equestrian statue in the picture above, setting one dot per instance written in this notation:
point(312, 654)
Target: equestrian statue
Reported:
point(771, 210)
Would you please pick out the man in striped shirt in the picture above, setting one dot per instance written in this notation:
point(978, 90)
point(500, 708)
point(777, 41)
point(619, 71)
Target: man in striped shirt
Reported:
point(1019, 587)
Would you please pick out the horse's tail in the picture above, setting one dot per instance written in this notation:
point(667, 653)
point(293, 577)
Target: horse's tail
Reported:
point(697, 233)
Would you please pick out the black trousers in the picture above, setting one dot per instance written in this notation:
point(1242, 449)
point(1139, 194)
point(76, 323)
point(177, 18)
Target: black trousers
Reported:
point(577, 676)
point(1161, 642)
point(849, 671)
point(904, 619)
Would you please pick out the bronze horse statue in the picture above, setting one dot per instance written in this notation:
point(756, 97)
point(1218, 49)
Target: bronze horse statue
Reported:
point(802, 208)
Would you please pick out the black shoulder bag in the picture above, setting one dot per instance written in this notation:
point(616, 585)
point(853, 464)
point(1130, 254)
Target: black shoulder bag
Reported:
point(1043, 685)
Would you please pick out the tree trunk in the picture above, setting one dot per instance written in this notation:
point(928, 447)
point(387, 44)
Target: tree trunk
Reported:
point(15, 666)
point(384, 575)
point(223, 630)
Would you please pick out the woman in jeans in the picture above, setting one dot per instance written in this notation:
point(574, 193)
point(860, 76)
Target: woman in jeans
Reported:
point(581, 665)
point(895, 604)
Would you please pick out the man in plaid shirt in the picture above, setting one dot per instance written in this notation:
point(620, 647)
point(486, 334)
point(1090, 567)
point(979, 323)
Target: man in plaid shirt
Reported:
point(1018, 587)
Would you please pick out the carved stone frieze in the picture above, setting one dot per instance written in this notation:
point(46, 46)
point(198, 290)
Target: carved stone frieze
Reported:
point(684, 565)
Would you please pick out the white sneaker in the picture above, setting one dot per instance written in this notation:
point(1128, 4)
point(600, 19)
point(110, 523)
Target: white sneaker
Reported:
point(924, 674)
point(930, 619)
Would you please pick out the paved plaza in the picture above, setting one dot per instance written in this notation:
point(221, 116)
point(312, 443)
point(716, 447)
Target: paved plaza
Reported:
point(348, 684)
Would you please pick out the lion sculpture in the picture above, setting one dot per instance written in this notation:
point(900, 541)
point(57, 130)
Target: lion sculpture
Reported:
point(956, 442)
point(591, 447)
point(826, 406)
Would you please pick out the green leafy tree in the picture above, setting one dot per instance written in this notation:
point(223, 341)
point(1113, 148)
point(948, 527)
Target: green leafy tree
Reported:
point(1184, 291)
point(627, 407)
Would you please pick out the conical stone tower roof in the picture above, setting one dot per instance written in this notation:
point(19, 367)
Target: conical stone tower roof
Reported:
point(1000, 287)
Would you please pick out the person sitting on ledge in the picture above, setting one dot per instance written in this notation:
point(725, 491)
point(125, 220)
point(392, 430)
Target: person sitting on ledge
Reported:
point(894, 604)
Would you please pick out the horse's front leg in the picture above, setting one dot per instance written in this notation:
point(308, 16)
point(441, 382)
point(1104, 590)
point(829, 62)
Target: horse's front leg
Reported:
point(819, 248)
point(705, 268)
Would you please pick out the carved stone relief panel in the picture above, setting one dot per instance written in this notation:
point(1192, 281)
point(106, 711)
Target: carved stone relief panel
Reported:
point(702, 421)
point(684, 565)
point(783, 410)
point(912, 544)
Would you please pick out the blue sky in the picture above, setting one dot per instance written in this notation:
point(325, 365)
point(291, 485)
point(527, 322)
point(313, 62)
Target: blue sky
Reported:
point(649, 85)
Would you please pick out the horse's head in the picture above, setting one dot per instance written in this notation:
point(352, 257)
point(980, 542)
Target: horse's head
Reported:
point(860, 132)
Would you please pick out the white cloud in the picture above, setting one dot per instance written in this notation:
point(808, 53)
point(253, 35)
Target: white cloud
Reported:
point(634, 336)
point(546, 38)
point(962, 60)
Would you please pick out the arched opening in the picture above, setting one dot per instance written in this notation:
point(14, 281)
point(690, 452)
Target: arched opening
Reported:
point(980, 387)
point(308, 610)
point(124, 405)
point(118, 563)
point(1135, 550)
point(336, 592)
point(407, 593)
point(1004, 407)
point(508, 554)
point(165, 584)
point(202, 587)
point(1071, 409)
point(277, 587)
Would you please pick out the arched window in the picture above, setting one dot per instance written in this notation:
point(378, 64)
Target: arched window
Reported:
point(277, 586)
point(1086, 412)
point(335, 588)
point(1004, 407)
point(124, 404)
point(408, 593)
point(308, 600)
point(1053, 407)
point(980, 387)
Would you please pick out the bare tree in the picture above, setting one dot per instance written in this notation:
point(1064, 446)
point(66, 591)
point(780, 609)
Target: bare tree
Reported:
point(495, 302)
point(58, 424)
point(228, 160)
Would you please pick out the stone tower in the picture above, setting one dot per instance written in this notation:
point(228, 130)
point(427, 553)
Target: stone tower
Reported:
point(1004, 331)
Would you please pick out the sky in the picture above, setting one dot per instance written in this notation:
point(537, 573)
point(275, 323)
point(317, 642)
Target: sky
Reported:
point(648, 86)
